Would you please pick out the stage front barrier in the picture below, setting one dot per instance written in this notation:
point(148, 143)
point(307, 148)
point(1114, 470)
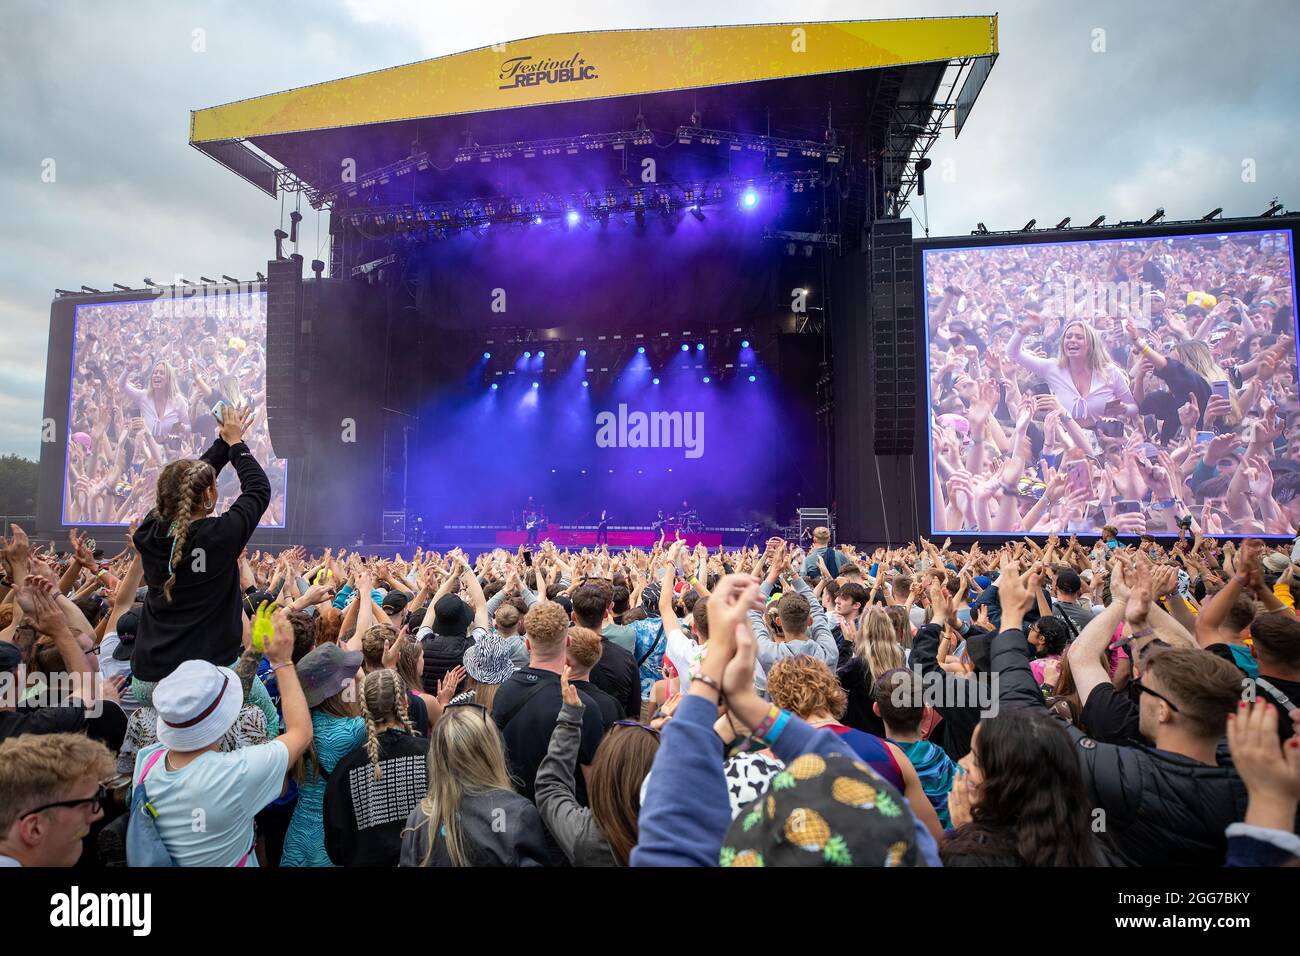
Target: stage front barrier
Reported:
point(617, 539)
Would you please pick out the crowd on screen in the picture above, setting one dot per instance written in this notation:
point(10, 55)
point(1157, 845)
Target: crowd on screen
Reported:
point(146, 377)
point(193, 702)
point(1130, 385)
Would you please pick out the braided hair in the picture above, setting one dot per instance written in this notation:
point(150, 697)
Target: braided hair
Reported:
point(383, 699)
point(180, 490)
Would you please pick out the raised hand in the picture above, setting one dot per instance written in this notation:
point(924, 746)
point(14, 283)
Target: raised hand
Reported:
point(568, 692)
point(447, 686)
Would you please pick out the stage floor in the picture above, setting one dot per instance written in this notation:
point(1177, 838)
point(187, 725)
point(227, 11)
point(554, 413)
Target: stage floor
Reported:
point(617, 539)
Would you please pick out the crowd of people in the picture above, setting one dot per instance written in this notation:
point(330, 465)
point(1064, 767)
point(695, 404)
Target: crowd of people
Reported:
point(195, 702)
point(146, 377)
point(1139, 385)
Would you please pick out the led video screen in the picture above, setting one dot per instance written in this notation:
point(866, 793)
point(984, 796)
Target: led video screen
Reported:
point(1135, 384)
point(145, 378)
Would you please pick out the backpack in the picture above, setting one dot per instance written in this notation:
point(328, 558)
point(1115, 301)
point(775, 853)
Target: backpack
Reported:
point(144, 845)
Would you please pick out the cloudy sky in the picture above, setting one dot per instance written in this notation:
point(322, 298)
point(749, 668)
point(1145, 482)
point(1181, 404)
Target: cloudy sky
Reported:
point(1184, 91)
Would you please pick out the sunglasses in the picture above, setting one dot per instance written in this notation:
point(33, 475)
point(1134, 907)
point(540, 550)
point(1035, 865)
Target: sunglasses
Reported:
point(1143, 689)
point(636, 723)
point(96, 803)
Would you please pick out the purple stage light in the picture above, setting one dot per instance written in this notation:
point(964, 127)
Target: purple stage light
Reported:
point(745, 344)
point(753, 378)
point(487, 355)
point(541, 355)
point(528, 355)
point(685, 347)
point(494, 386)
point(537, 385)
point(573, 217)
point(582, 352)
point(537, 220)
point(654, 381)
point(749, 199)
point(585, 384)
point(706, 380)
point(640, 350)
point(699, 347)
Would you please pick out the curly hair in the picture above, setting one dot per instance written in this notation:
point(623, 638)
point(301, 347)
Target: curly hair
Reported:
point(546, 623)
point(805, 686)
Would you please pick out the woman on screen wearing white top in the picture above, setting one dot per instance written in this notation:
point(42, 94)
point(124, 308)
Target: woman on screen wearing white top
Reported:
point(162, 406)
point(1083, 378)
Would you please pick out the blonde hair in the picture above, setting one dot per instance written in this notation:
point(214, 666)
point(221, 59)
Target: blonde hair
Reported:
point(1198, 357)
point(1098, 357)
point(41, 768)
point(877, 642)
point(584, 648)
point(383, 700)
point(466, 757)
point(180, 489)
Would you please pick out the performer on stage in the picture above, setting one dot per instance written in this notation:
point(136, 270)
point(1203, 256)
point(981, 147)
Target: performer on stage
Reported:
point(534, 519)
point(602, 527)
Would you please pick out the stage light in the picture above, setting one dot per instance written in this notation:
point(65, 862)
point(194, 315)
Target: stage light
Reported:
point(1274, 207)
point(1156, 217)
point(149, 282)
point(537, 220)
point(654, 381)
point(699, 346)
point(487, 355)
point(1029, 225)
point(1063, 223)
point(744, 344)
point(260, 277)
point(696, 212)
point(981, 229)
point(749, 199)
point(537, 384)
point(121, 288)
point(753, 378)
point(573, 217)
point(685, 347)
point(582, 352)
point(231, 279)
point(1097, 222)
point(494, 386)
point(706, 380)
point(528, 355)
point(1211, 215)
point(585, 384)
point(541, 355)
point(207, 280)
point(640, 350)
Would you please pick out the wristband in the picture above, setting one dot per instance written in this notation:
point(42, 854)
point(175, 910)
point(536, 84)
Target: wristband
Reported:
point(780, 726)
point(708, 681)
point(767, 722)
point(276, 667)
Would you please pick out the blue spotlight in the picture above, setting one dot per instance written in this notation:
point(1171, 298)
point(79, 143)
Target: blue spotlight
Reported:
point(584, 384)
point(685, 347)
point(528, 355)
point(753, 378)
point(494, 386)
point(537, 385)
point(640, 350)
point(699, 346)
point(541, 355)
point(487, 355)
point(573, 217)
point(537, 220)
point(582, 352)
point(706, 380)
point(745, 344)
point(749, 199)
point(654, 381)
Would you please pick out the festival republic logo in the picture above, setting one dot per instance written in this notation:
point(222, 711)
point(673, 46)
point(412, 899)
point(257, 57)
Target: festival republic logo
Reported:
point(525, 71)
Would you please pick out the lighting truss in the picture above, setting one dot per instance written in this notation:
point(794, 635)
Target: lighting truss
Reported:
point(554, 208)
point(770, 146)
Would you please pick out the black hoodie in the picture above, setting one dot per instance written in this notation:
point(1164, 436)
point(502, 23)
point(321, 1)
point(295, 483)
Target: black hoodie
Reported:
point(204, 619)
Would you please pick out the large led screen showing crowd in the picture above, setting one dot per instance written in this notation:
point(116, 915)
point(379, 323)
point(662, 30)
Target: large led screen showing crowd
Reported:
point(1131, 384)
point(146, 376)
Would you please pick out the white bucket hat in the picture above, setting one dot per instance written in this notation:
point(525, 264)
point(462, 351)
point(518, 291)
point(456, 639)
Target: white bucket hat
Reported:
point(196, 703)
